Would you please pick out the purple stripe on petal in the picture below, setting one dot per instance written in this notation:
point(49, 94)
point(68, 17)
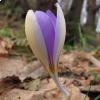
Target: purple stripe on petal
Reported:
point(48, 31)
point(52, 17)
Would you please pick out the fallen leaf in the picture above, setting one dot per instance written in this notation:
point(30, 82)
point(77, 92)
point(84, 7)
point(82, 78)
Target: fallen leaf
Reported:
point(18, 66)
point(47, 93)
point(19, 94)
point(55, 94)
point(5, 45)
point(93, 88)
point(10, 66)
point(32, 85)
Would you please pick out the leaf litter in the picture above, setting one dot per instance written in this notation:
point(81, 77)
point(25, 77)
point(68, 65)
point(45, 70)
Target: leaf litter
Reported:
point(24, 80)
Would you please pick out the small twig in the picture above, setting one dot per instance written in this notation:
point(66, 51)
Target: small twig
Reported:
point(88, 92)
point(94, 70)
point(69, 83)
point(92, 59)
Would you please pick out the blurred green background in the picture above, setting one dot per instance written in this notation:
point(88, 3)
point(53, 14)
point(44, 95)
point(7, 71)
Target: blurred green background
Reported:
point(13, 12)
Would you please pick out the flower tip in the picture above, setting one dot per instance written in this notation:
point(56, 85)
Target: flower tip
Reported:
point(29, 18)
point(29, 11)
point(56, 4)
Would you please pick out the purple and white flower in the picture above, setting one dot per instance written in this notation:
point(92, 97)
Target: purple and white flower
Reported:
point(46, 35)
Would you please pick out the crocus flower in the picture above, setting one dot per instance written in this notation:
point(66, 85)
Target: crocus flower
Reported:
point(46, 35)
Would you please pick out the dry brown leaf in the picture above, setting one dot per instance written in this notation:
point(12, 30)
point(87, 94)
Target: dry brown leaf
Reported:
point(18, 94)
point(68, 59)
point(96, 53)
point(94, 88)
point(93, 60)
point(11, 66)
point(18, 66)
point(49, 91)
point(3, 51)
point(5, 45)
point(84, 82)
point(76, 94)
point(78, 62)
point(32, 85)
point(95, 70)
point(89, 57)
point(55, 94)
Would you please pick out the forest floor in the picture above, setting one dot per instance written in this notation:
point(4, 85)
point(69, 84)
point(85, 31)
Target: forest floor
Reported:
point(22, 77)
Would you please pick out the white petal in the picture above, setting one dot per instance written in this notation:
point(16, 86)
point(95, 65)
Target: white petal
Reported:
point(35, 38)
point(60, 34)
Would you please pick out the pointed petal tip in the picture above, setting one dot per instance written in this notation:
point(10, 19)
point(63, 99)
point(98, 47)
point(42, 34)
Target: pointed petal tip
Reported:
point(29, 14)
point(57, 4)
point(28, 17)
point(30, 11)
point(60, 33)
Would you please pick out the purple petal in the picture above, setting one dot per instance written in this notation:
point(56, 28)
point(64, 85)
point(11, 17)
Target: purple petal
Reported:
point(52, 17)
point(48, 31)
